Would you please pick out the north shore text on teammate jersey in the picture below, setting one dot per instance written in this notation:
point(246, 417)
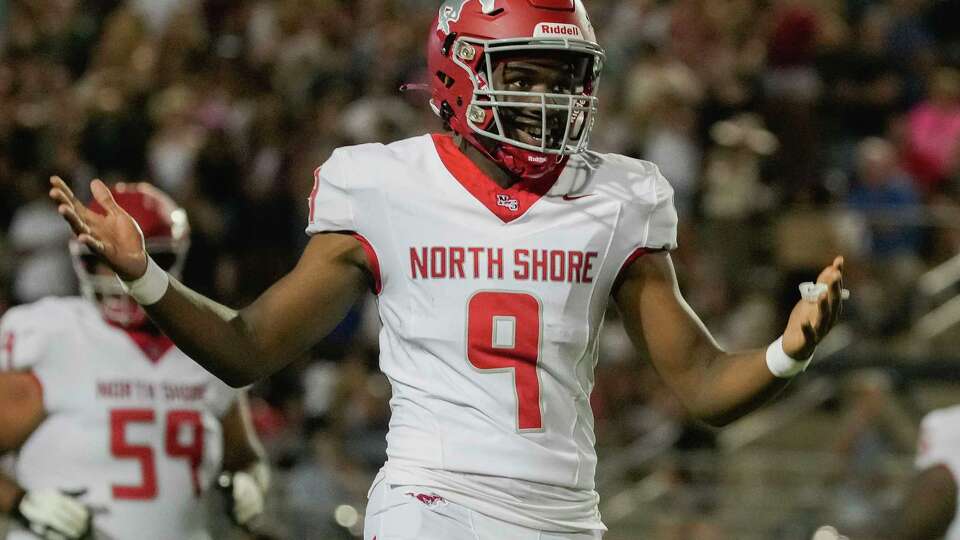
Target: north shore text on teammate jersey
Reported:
point(131, 423)
point(491, 300)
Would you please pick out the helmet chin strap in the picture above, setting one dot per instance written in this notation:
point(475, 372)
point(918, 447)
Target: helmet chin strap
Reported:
point(525, 164)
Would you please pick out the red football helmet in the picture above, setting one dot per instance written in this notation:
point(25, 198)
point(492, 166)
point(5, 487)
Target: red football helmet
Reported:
point(470, 37)
point(166, 234)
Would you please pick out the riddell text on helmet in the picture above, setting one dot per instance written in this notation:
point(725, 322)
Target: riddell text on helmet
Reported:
point(557, 30)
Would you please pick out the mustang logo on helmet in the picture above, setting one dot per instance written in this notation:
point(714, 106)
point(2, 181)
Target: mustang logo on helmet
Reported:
point(450, 12)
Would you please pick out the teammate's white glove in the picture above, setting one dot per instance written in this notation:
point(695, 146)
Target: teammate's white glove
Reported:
point(51, 515)
point(246, 490)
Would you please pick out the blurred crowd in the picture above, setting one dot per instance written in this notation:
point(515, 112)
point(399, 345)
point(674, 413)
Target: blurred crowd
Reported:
point(791, 130)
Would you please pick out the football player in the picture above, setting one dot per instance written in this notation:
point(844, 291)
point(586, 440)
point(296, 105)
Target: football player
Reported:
point(929, 510)
point(117, 433)
point(494, 252)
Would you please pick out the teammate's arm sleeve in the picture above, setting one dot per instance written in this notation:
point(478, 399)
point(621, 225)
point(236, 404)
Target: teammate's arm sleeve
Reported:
point(23, 343)
point(715, 386)
point(241, 347)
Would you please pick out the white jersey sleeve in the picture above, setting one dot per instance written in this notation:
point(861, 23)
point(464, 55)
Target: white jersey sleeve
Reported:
point(651, 217)
point(647, 218)
point(331, 209)
point(29, 342)
point(22, 344)
point(662, 224)
point(940, 440)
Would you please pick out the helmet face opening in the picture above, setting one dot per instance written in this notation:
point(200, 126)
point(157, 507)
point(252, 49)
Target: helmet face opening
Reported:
point(534, 94)
point(539, 99)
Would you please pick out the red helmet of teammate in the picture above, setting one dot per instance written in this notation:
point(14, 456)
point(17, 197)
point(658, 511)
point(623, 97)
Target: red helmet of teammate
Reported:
point(166, 234)
point(468, 40)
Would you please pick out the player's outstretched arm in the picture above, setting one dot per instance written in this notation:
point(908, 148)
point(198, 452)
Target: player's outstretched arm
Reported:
point(239, 347)
point(929, 507)
point(714, 385)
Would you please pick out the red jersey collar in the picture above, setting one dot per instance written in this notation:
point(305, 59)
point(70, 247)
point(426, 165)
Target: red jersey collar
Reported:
point(507, 204)
point(153, 344)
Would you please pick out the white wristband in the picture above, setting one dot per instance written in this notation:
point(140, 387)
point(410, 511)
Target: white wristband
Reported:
point(780, 364)
point(149, 288)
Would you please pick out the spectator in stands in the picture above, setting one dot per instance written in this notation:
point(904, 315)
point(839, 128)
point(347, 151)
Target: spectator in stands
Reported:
point(885, 199)
point(886, 195)
point(934, 131)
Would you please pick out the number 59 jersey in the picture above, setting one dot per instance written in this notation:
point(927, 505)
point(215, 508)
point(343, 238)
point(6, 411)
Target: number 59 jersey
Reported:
point(491, 301)
point(132, 424)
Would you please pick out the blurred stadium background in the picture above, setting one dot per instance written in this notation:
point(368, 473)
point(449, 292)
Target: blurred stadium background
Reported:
point(791, 130)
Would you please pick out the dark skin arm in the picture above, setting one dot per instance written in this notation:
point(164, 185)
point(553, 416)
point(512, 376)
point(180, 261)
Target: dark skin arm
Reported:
point(715, 386)
point(929, 507)
point(241, 447)
point(239, 347)
point(21, 412)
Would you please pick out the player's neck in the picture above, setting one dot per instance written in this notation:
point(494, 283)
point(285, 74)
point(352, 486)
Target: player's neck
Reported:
point(502, 177)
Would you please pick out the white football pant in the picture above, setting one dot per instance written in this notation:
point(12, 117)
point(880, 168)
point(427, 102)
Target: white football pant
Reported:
point(397, 512)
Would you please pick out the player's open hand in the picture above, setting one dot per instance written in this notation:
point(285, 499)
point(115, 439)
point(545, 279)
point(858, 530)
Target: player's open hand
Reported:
point(114, 236)
point(810, 321)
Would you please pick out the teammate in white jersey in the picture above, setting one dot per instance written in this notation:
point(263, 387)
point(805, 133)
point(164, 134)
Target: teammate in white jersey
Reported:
point(930, 510)
point(117, 433)
point(494, 253)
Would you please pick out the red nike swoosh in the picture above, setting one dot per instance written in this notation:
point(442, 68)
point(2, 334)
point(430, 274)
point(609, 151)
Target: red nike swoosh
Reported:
point(573, 198)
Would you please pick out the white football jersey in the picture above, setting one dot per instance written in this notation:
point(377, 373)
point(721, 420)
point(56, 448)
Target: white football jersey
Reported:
point(139, 437)
point(939, 444)
point(491, 301)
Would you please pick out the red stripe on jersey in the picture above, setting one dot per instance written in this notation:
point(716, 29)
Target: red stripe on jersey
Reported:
point(313, 192)
point(372, 260)
point(637, 253)
point(153, 345)
point(506, 203)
